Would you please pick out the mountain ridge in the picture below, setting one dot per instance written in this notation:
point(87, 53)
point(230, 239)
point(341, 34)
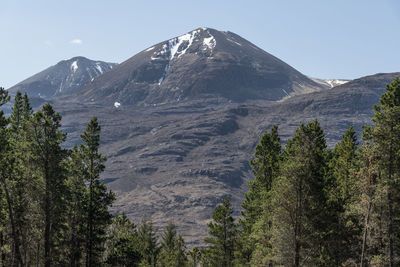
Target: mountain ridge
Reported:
point(201, 63)
point(63, 78)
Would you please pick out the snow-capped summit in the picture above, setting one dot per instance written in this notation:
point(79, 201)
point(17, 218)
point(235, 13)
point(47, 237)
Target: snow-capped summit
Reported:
point(63, 78)
point(201, 63)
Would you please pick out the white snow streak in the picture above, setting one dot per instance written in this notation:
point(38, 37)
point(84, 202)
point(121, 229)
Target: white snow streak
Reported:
point(98, 67)
point(165, 73)
point(230, 40)
point(74, 66)
point(285, 92)
point(149, 49)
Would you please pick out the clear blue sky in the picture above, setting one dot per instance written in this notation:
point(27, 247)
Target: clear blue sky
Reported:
point(320, 38)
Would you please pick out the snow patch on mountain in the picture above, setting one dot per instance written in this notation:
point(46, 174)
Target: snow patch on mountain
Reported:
point(74, 66)
point(209, 42)
point(175, 43)
point(330, 83)
point(334, 83)
point(117, 104)
point(98, 67)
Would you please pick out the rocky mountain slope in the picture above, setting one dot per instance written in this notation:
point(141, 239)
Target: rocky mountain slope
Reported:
point(63, 78)
point(180, 121)
point(202, 63)
point(175, 162)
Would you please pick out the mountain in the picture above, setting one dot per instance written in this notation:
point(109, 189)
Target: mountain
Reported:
point(201, 63)
point(181, 119)
point(176, 161)
point(63, 78)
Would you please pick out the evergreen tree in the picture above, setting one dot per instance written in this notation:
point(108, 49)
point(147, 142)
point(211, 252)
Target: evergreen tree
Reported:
point(17, 110)
point(194, 257)
point(149, 247)
point(77, 199)
point(172, 251)
point(257, 204)
point(45, 140)
point(99, 199)
point(27, 110)
point(223, 231)
point(299, 218)
point(344, 227)
point(386, 137)
point(122, 245)
point(8, 207)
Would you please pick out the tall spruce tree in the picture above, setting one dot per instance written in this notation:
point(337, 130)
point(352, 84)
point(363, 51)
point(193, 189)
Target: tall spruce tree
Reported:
point(223, 231)
point(99, 199)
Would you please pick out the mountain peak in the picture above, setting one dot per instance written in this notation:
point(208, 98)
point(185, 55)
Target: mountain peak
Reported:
point(63, 78)
point(200, 63)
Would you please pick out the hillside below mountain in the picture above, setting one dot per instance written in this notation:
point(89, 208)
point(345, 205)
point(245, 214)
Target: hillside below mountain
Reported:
point(175, 162)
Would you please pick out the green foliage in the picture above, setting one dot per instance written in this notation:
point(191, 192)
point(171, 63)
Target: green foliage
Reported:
point(172, 248)
point(299, 217)
point(342, 191)
point(307, 205)
point(384, 139)
point(223, 231)
point(99, 199)
point(122, 245)
point(148, 244)
point(257, 204)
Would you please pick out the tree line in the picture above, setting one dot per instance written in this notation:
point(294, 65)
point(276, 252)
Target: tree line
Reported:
point(308, 205)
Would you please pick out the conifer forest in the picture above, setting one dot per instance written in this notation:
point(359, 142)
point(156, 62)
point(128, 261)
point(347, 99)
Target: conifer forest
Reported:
point(308, 205)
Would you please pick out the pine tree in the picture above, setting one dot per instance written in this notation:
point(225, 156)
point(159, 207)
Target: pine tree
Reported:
point(386, 137)
point(342, 192)
point(99, 199)
point(257, 204)
point(223, 231)
point(6, 190)
point(15, 183)
point(194, 257)
point(149, 247)
point(123, 244)
point(27, 110)
point(77, 199)
point(172, 251)
point(299, 217)
point(45, 141)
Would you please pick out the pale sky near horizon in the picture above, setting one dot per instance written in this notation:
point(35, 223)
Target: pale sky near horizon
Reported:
point(325, 39)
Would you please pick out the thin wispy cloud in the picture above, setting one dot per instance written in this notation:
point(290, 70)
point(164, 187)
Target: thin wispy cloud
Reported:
point(76, 42)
